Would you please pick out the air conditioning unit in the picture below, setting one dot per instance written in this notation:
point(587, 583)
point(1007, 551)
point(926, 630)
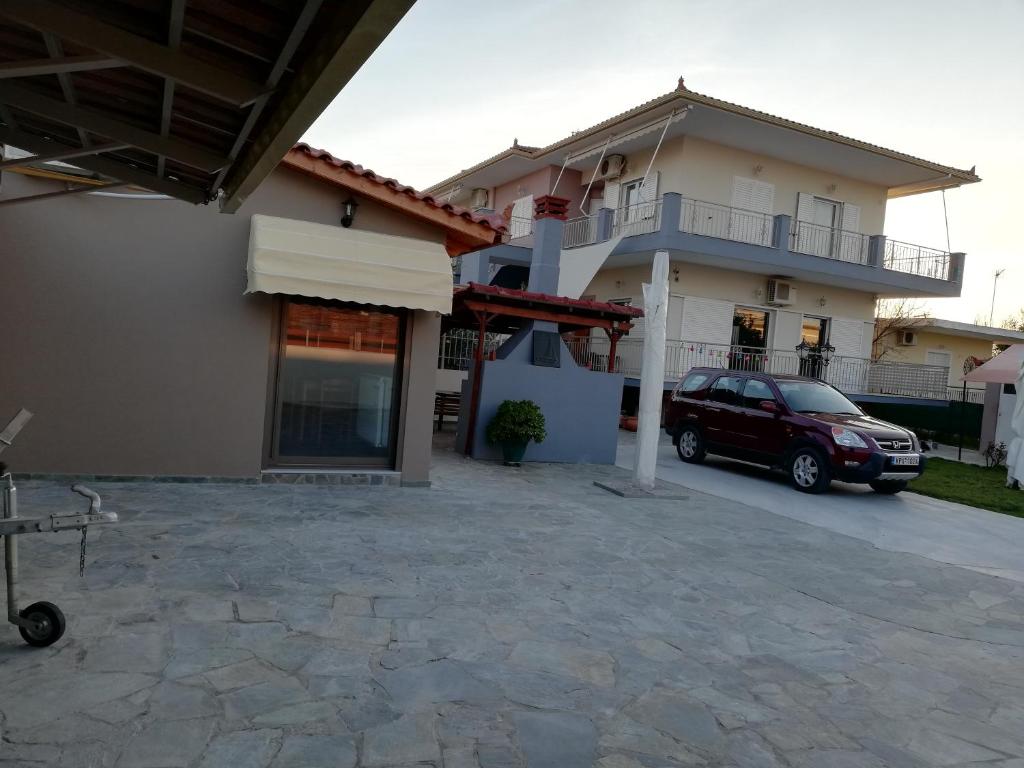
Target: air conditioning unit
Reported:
point(612, 167)
point(907, 338)
point(478, 198)
point(781, 293)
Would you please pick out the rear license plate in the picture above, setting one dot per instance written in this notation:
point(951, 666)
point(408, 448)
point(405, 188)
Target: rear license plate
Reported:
point(905, 461)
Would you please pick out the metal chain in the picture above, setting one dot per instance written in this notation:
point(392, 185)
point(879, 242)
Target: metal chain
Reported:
point(81, 553)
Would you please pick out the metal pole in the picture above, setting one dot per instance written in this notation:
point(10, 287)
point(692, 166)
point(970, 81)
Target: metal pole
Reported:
point(963, 401)
point(992, 309)
point(10, 501)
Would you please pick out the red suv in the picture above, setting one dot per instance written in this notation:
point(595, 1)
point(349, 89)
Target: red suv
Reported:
point(803, 426)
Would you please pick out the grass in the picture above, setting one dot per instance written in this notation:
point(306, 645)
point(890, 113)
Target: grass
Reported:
point(969, 484)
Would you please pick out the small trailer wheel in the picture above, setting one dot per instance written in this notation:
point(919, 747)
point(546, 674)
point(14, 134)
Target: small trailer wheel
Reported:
point(46, 624)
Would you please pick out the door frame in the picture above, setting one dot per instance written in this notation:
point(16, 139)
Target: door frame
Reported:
point(272, 457)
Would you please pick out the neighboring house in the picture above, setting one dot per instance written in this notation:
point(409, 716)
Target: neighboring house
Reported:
point(299, 336)
point(954, 347)
point(774, 230)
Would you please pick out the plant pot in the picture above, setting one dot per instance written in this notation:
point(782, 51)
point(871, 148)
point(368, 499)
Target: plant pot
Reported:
point(628, 423)
point(513, 452)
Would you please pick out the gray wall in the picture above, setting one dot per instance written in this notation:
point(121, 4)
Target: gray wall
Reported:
point(580, 406)
point(125, 329)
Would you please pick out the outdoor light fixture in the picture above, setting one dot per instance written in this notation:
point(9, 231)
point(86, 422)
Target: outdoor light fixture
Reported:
point(823, 352)
point(803, 349)
point(826, 351)
point(350, 212)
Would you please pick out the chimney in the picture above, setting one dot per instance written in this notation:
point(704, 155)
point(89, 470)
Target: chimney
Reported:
point(550, 213)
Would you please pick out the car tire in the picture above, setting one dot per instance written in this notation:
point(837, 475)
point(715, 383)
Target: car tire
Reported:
point(690, 445)
point(888, 487)
point(809, 472)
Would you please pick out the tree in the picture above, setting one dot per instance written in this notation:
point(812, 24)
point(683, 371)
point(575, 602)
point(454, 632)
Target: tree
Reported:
point(891, 316)
point(1015, 322)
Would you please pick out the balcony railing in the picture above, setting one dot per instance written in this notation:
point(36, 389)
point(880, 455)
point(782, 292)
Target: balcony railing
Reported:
point(638, 219)
point(916, 260)
point(712, 220)
point(853, 375)
point(830, 243)
point(457, 349)
point(519, 226)
point(580, 231)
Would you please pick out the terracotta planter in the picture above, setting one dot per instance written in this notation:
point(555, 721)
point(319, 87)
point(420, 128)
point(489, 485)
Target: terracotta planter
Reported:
point(628, 423)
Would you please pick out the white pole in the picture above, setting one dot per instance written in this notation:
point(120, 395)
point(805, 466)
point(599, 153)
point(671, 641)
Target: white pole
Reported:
point(652, 373)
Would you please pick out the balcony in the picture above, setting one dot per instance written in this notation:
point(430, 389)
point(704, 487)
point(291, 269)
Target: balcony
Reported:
point(854, 376)
point(729, 237)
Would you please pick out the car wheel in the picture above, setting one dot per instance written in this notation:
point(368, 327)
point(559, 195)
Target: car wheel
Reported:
point(690, 446)
point(888, 487)
point(808, 471)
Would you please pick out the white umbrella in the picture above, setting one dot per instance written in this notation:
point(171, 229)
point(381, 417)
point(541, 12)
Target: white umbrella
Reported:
point(1015, 453)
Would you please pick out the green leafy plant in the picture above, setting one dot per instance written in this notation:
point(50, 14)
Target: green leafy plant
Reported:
point(517, 421)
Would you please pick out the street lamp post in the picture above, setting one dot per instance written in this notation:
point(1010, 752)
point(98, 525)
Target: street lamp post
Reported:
point(992, 309)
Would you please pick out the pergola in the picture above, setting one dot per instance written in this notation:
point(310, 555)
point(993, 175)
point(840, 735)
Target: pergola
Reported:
point(505, 310)
point(196, 99)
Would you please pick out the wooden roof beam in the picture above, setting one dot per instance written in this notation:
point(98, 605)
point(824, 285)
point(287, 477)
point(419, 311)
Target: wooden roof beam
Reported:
point(61, 154)
point(96, 122)
point(112, 168)
point(87, 30)
point(54, 66)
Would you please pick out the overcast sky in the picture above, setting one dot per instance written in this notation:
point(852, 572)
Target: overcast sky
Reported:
point(940, 79)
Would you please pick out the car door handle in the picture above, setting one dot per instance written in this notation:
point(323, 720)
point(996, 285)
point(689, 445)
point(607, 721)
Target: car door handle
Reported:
point(715, 410)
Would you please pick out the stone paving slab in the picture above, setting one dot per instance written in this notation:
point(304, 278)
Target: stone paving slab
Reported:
point(504, 618)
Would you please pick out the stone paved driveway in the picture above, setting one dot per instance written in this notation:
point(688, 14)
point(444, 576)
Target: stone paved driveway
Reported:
point(502, 618)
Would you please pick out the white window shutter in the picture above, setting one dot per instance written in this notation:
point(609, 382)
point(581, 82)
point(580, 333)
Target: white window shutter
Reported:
point(649, 189)
point(611, 195)
point(852, 247)
point(751, 197)
point(851, 217)
point(707, 320)
point(847, 336)
point(762, 197)
point(804, 212)
point(522, 217)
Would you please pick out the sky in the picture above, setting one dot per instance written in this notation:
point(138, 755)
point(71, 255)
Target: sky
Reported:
point(457, 81)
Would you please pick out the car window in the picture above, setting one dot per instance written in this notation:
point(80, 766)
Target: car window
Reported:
point(726, 390)
point(755, 391)
point(815, 397)
point(692, 383)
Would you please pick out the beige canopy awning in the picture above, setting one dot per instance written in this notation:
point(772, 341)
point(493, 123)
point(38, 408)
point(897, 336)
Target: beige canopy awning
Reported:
point(1004, 368)
point(318, 260)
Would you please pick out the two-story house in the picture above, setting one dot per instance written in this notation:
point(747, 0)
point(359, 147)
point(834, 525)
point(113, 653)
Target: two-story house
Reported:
point(774, 230)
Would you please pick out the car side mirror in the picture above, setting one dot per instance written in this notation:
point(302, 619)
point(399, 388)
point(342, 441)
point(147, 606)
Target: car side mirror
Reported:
point(769, 406)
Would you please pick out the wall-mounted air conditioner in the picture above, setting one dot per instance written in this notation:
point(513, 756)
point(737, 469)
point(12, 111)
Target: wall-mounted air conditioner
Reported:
point(781, 293)
point(478, 198)
point(612, 167)
point(906, 338)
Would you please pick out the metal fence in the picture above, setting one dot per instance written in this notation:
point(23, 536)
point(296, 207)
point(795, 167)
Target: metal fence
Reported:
point(638, 219)
point(698, 217)
point(580, 231)
point(830, 243)
point(853, 375)
point(458, 348)
point(916, 260)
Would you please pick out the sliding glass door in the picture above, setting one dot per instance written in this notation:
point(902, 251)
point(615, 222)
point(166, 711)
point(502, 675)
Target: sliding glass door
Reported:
point(337, 385)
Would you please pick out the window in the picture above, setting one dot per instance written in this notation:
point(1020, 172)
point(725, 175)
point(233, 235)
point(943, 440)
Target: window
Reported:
point(630, 194)
point(692, 383)
point(750, 328)
point(726, 390)
point(337, 384)
point(815, 397)
point(755, 391)
point(938, 357)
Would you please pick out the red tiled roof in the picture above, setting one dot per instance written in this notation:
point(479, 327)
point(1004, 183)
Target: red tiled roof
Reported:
point(516, 294)
point(494, 221)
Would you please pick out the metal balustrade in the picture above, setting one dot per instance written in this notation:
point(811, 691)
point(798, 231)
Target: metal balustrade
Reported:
point(853, 375)
point(457, 349)
point(638, 219)
point(698, 217)
point(830, 243)
point(580, 231)
point(916, 260)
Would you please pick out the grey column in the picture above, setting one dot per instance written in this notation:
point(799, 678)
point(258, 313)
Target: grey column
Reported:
point(876, 251)
point(780, 233)
point(956, 267)
point(476, 268)
point(605, 222)
point(547, 251)
point(671, 210)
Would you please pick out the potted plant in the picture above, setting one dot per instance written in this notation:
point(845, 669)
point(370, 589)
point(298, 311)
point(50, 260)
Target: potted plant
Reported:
point(516, 423)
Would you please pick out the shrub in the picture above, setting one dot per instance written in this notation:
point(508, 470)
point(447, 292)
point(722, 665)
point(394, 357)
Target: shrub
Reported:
point(995, 455)
point(517, 421)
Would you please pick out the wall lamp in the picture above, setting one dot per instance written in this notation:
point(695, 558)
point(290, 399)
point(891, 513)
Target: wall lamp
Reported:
point(349, 215)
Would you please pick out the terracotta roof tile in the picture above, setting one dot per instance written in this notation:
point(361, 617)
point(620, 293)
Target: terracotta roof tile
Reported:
point(493, 221)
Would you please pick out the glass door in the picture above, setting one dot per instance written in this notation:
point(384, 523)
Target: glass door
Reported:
point(337, 385)
point(814, 331)
point(749, 348)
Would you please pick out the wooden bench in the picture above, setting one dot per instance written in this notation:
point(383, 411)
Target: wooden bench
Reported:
point(446, 404)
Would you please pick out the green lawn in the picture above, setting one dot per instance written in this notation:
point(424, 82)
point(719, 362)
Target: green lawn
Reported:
point(968, 484)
